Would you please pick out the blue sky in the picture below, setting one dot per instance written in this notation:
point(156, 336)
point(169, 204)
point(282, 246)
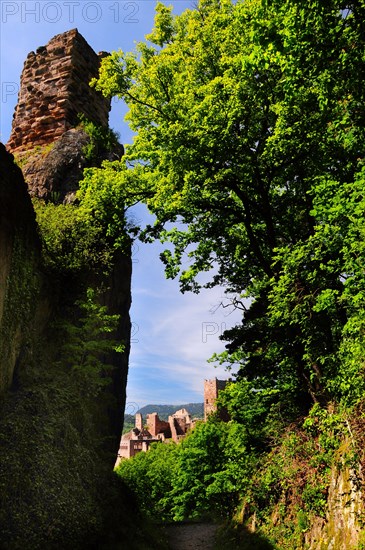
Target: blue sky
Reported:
point(173, 334)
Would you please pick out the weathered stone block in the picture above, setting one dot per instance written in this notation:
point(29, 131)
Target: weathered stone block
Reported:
point(55, 80)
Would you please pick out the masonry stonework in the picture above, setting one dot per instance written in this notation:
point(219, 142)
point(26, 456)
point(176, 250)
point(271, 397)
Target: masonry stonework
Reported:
point(156, 426)
point(211, 389)
point(139, 422)
point(139, 439)
point(178, 425)
point(54, 89)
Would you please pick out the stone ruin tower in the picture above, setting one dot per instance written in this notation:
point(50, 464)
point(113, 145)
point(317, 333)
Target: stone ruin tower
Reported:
point(54, 89)
point(211, 390)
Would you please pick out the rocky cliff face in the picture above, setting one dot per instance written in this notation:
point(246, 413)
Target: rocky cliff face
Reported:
point(342, 526)
point(20, 277)
point(54, 172)
point(59, 431)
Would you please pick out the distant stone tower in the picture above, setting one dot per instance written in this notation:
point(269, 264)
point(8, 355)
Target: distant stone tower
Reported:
point(54, 89)
point(211, 390)
point(139, 422)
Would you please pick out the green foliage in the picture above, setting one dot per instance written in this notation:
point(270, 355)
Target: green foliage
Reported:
point(249, 125)
point(289, 489)
point(86, 342)
point(102, 201)
point(151, 476)
point(85, 235)
point(222, 469)
point(248, 120)
point(263, 413)
point(39, 150)
point(102, 140)
point(215, 467)
point(202, 476)
point(72, 240)
point(164, 26)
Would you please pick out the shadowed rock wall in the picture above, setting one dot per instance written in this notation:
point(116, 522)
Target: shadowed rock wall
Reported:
point(59, 426)
point(20, 278)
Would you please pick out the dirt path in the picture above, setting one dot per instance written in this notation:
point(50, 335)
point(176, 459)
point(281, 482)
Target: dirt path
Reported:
point(191, 536)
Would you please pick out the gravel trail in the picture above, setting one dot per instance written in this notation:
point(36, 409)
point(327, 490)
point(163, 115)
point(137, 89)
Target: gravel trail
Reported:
point(191, 536)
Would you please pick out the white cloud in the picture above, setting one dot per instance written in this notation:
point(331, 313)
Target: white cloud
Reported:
point(176, 335)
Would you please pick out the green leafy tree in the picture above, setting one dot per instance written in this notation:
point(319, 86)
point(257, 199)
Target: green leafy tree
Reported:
point(72, 240)
point(87, 343)
point(213, 467)
point(151, 477)
point(249, 134)
point(102, 140)
point(203, 476)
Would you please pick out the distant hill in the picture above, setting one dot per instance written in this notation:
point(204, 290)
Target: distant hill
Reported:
point(129, 423)
point(164, 411)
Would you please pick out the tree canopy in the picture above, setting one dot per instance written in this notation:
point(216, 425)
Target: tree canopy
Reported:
point(249, 122)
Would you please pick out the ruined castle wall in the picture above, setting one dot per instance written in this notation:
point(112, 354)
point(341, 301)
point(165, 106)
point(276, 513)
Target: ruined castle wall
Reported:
point(54, 89)
point(174, 434)
point(178, 428)
point(139, 422)
point(155, 425)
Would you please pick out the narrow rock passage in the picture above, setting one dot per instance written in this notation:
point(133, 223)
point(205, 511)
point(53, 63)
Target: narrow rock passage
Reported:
point(189, 536)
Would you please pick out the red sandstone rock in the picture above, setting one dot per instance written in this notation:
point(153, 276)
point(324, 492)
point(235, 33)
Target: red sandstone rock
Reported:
point(57, 170)
point(54, 89)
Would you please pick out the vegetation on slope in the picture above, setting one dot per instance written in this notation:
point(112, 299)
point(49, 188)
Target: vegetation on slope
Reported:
point(249, 124)
point(273, 478)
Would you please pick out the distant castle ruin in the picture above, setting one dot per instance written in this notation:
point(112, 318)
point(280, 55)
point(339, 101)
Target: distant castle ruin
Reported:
point(141, 437)
point(54, 89)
